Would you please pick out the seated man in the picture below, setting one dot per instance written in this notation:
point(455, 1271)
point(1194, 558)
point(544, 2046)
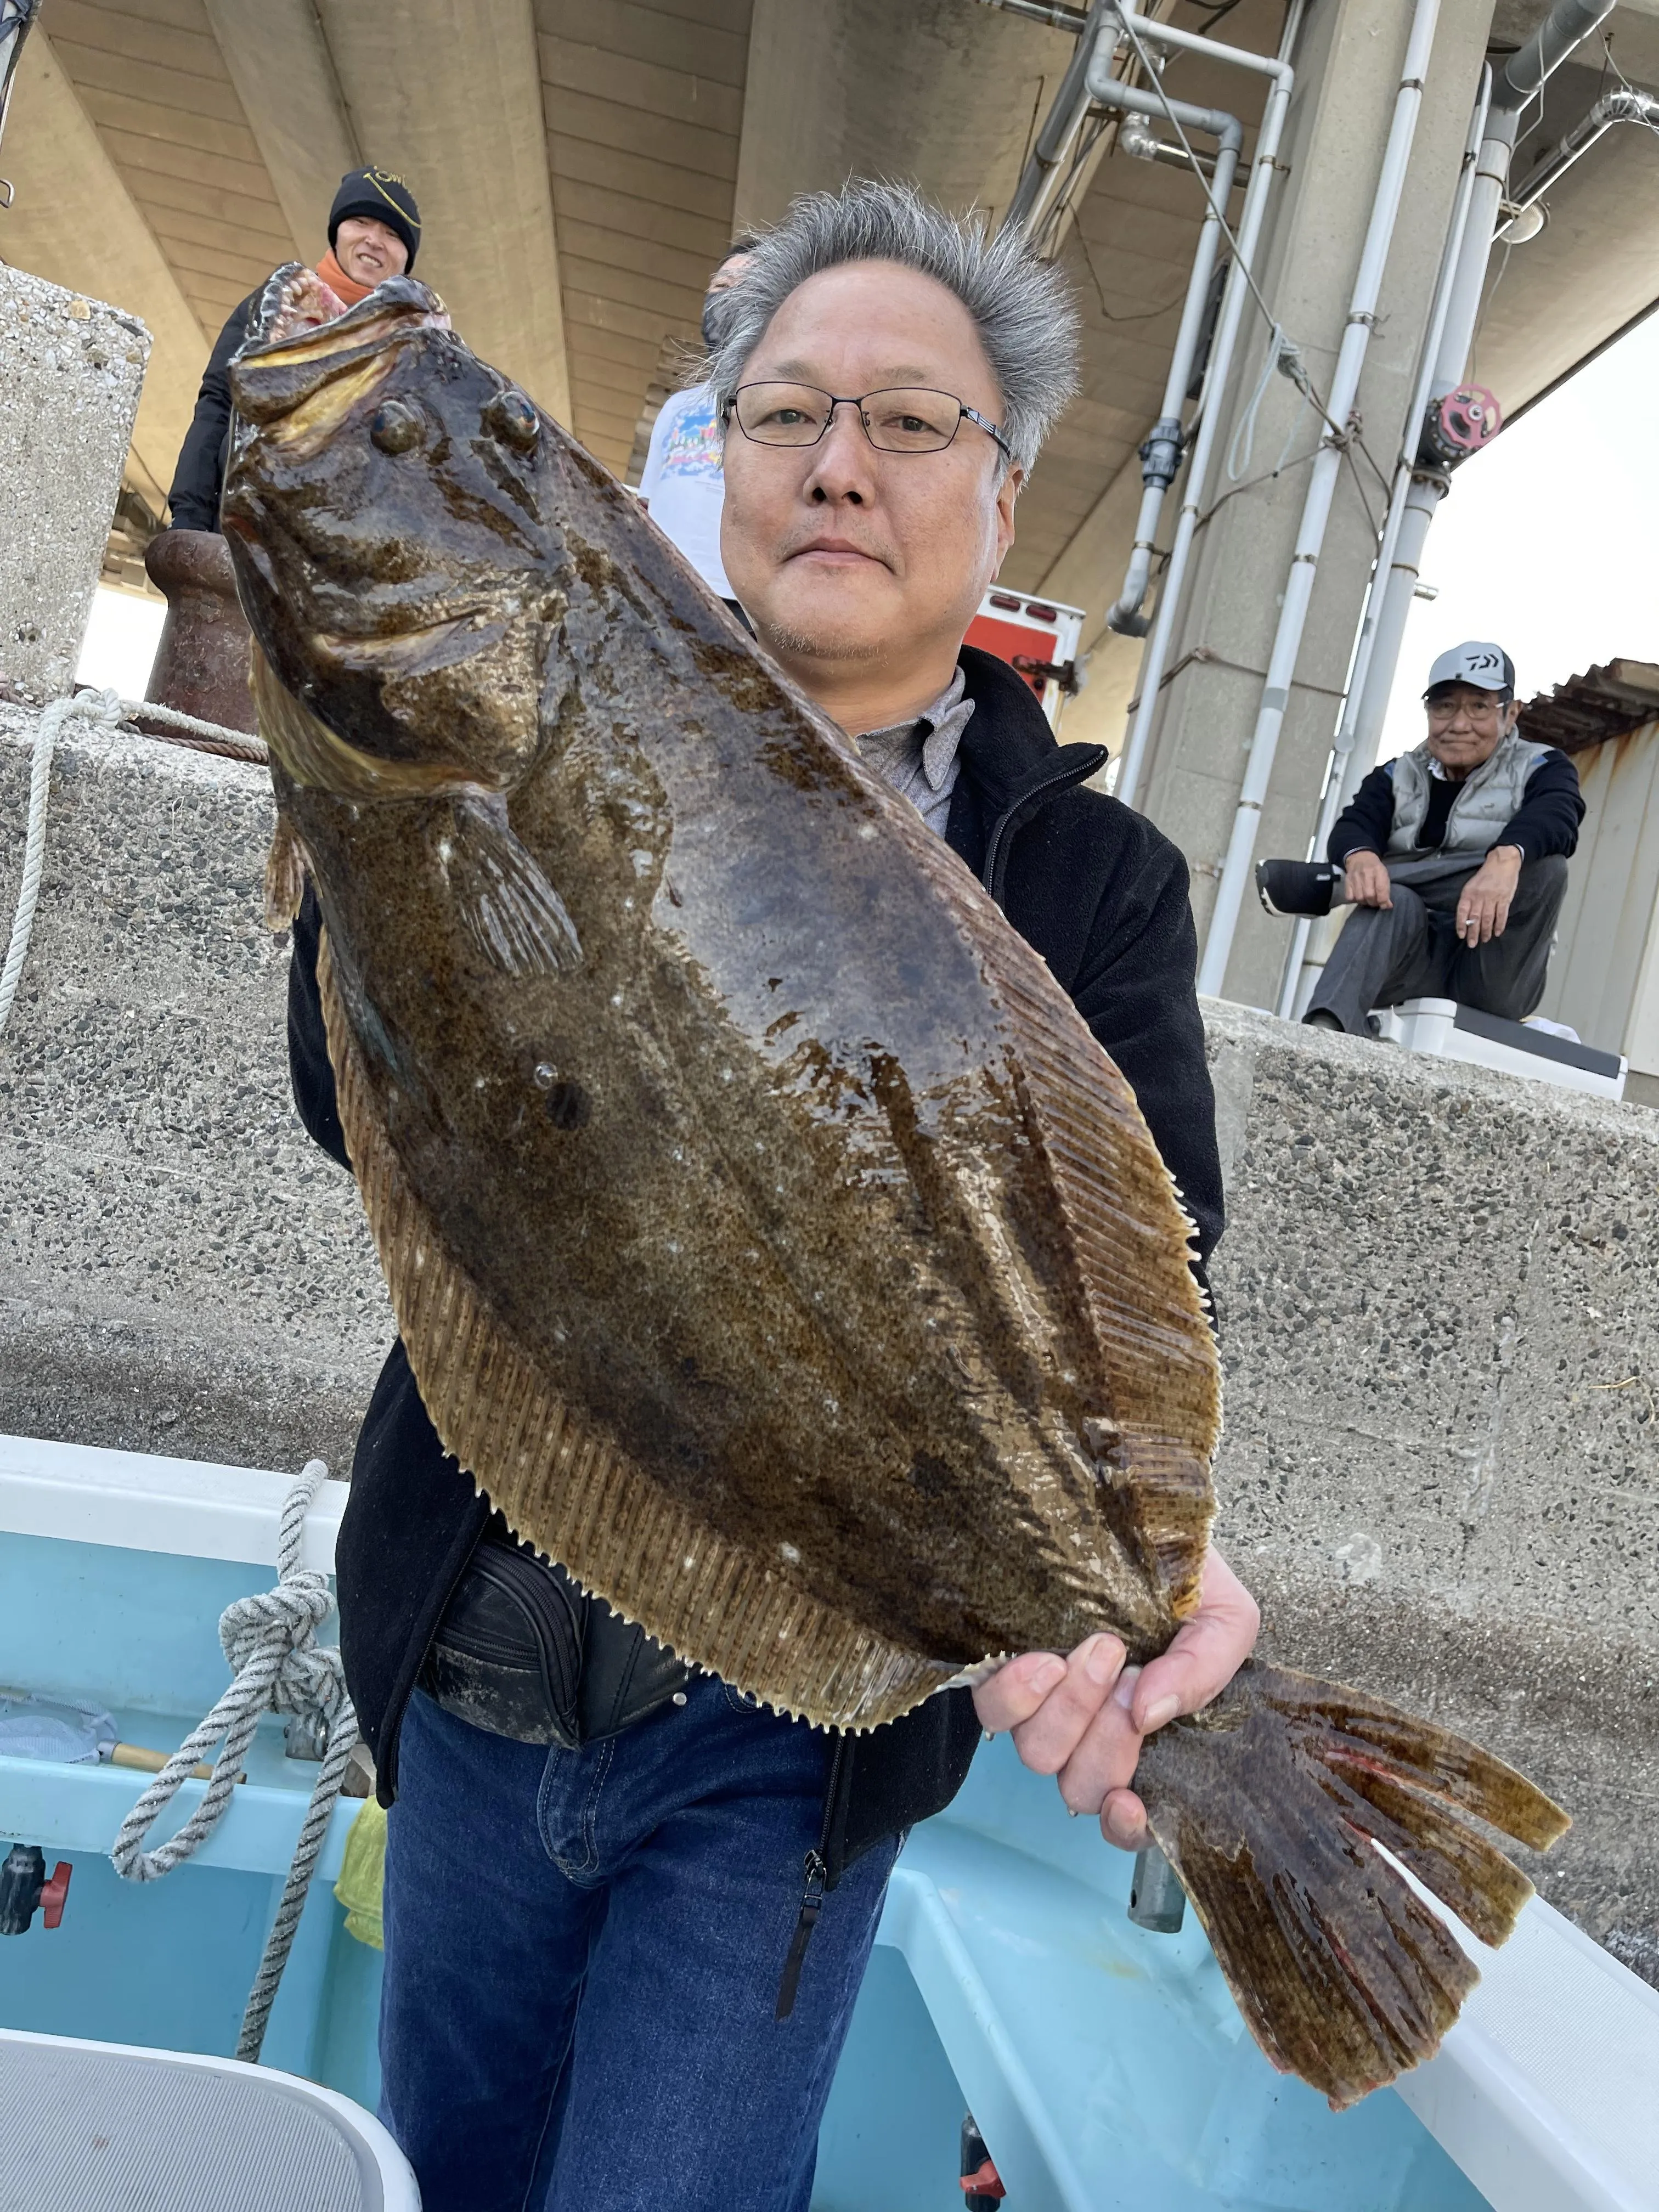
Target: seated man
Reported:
point(1454, 856)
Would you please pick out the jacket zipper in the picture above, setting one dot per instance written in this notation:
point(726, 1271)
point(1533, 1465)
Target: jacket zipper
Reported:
point(1077, 772)
point(815, 1869)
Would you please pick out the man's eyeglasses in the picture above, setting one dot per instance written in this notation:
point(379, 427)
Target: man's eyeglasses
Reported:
point(1484, 710)
point(904, 419)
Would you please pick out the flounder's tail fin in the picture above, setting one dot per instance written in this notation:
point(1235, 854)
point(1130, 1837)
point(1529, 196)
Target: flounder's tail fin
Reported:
point(1264, 1803)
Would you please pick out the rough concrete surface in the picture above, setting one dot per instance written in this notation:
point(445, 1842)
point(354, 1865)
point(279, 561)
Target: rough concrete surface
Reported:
point(1440, 1326)
point(1437, 1297)
point(71, 372)
point(181, 1268)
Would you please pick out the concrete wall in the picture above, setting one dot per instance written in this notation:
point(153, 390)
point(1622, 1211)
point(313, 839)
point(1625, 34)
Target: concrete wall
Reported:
point(70, 371)
point(1439, 1308)
point(1440, 1324)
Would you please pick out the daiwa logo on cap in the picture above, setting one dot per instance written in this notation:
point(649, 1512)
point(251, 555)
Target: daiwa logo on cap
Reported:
point(1486, 666)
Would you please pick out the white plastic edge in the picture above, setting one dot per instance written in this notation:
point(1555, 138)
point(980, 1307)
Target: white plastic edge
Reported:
point(139, 1502)
point(373, 2145)
point(1496, 2109)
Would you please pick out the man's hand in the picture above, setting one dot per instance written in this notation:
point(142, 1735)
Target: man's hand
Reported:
point(1484, 909)
point(1365, 880)
point(1083, 1718)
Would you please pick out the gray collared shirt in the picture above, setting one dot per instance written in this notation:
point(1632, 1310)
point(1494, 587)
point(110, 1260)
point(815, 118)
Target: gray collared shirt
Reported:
point(919, 759)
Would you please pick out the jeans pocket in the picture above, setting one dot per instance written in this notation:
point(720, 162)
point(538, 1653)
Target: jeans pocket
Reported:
point(741, 1701)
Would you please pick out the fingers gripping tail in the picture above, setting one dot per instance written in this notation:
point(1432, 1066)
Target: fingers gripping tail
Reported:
point(1264, 1804)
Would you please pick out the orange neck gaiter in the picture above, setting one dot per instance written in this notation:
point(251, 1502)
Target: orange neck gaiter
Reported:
point(344, 286)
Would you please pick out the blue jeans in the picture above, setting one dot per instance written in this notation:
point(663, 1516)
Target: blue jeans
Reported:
point(582, 1956)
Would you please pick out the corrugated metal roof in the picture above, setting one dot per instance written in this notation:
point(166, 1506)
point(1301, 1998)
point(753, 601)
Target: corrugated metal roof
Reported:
point(1587, 710)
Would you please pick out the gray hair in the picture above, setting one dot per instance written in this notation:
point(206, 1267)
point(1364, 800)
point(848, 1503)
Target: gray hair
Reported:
point(1020, 305)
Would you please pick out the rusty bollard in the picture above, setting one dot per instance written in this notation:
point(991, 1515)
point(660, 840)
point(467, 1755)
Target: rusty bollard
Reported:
point(202, 662)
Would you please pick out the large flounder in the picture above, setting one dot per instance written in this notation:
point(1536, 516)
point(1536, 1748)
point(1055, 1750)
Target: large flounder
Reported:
point(770, 1237)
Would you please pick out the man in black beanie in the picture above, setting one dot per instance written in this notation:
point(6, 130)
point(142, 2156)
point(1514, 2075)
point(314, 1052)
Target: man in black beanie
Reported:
point(374, 232)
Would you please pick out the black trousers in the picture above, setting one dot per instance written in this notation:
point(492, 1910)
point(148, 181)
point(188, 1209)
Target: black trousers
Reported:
point(1410, 950)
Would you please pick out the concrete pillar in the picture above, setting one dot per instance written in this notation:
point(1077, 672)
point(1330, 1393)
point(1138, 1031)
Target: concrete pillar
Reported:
point(70, 371)
point(1348, 73)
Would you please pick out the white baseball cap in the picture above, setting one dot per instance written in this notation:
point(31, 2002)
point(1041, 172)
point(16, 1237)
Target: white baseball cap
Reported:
point(1486, 666)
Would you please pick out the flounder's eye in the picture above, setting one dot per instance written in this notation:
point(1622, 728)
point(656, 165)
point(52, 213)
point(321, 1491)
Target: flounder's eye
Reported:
point(510, 417)
point(396, 427)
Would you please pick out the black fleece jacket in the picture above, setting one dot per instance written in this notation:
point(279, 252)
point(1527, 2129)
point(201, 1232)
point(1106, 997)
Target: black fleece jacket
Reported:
point(199, 478)
point(1103, 896)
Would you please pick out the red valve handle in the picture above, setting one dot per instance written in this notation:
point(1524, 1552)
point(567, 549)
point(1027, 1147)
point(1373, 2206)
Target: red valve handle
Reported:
point(54, 1894)
point(1469, 418)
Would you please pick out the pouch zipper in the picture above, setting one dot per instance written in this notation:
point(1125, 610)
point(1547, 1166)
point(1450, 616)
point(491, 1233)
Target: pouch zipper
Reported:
point(815, 1869)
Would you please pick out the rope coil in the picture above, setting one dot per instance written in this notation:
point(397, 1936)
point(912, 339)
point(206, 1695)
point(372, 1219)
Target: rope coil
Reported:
point(270, 1641)
point(104, 710)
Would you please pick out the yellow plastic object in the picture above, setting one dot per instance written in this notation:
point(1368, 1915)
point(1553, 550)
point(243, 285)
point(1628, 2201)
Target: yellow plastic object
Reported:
point(362, 1876)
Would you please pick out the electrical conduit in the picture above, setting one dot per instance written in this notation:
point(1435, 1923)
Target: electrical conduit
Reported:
point(1317, 507)
point(1160, 457)
point(1339, 787)
point(1251, 217)
point(1520, 78)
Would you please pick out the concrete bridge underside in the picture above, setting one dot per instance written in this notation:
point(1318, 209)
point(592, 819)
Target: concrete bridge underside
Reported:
point(581, 163)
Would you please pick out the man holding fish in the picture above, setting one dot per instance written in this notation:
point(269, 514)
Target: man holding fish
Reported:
point(600, 1987)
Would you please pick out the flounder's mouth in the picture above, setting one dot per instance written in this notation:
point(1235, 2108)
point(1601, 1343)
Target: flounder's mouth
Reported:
point(299, 315)
point(310, 357)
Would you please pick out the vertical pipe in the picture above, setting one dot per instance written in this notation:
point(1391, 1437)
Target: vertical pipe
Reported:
point(1251, 217)
point(1161, 455)
point(1317, 507)
point(1340, 777)
point(1059, 125)
point(1567, 23)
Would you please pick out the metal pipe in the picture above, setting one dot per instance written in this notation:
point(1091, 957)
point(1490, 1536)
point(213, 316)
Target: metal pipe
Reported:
point(1057, 17)
point(1320, 494)
point(1520, 78)
point(1161, 455)
point(1339, 782)
point(1625, 106)
point(1194, 42)
point(1263, 168)
point(1059, 125)
point(1134, 139)
point(1567, 26)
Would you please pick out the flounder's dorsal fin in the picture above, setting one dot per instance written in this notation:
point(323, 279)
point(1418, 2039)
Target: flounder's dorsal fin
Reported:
point(566, 1486)
point(1129, 1234)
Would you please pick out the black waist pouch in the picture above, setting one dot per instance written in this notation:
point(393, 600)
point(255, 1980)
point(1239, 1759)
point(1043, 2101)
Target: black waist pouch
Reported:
point(523, 1652)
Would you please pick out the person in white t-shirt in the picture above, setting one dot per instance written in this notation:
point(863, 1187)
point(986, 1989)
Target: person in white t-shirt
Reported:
point(683, 486)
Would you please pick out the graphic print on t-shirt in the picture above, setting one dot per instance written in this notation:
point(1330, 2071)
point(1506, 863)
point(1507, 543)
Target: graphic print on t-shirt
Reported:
point(694, 446)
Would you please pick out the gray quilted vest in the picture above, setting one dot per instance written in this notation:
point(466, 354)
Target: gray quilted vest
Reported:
point(1486, 801)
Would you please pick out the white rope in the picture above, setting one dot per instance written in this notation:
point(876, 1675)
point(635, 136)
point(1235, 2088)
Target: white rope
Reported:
point(270, 1642)
point(101, 707)
point(104, 710)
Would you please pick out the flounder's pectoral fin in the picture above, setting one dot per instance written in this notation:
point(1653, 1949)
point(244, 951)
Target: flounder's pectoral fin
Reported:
point(509, 910)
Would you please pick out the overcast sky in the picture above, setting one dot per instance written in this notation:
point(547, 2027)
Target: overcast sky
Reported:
point(1546, 543)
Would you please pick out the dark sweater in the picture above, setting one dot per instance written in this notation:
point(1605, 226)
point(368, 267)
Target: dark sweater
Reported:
point(1545, 821)
point(199, 476)
point(1103, 896)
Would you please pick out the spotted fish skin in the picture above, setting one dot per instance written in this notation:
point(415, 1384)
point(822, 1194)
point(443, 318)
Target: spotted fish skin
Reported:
point(770, 1237)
